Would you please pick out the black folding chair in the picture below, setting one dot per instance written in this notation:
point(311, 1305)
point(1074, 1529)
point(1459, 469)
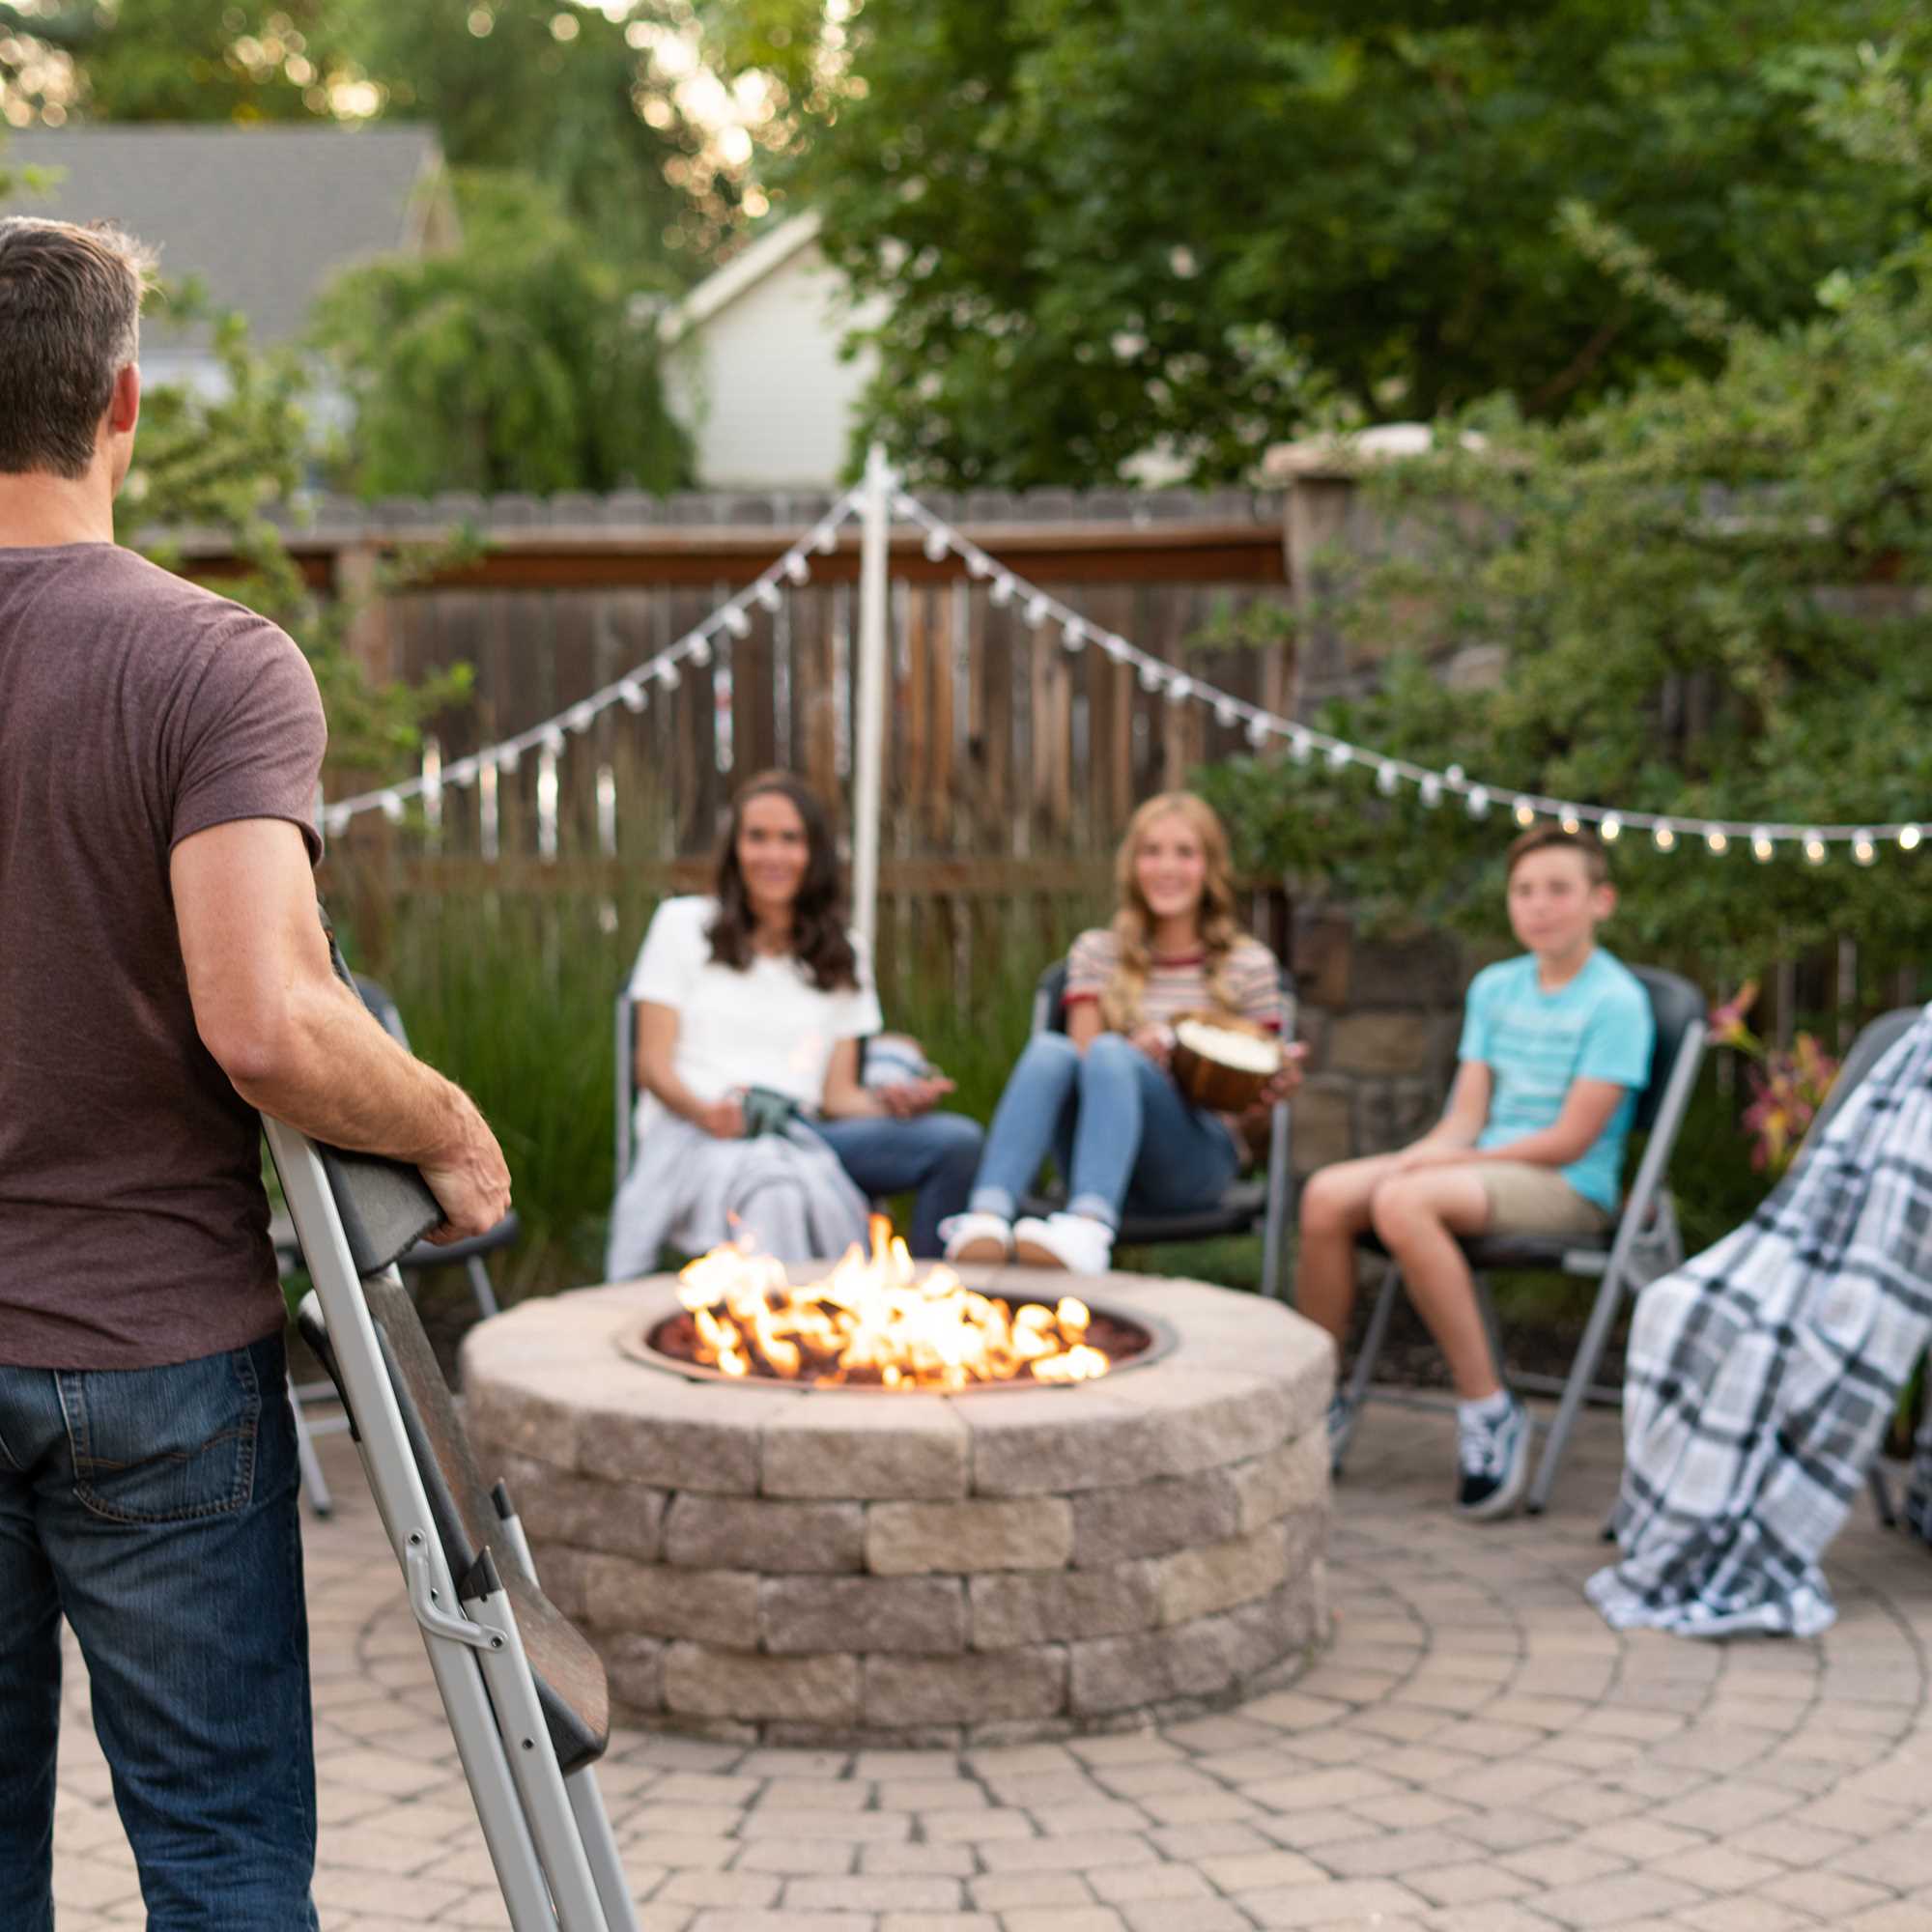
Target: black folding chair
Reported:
point(524, 1692)
point(420, 1259)
point(1644, 1242)
point(1247, 1205)
point(1874, 1042)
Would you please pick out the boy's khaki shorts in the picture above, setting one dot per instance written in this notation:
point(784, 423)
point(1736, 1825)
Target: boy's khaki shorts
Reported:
point(1525, 1199)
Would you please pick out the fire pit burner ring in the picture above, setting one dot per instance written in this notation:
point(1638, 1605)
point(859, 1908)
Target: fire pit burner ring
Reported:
point(1127, 1341)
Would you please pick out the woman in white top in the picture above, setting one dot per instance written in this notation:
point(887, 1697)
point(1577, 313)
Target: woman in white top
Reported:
point(751, 998)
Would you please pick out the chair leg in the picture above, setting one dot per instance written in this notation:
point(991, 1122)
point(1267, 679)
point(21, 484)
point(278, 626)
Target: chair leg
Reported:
point(315, 1484)
point(480, 1287)
point(1583, 1373)
point(1366, 1358)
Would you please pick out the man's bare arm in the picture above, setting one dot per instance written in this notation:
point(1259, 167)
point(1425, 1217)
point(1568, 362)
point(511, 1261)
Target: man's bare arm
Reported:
point(296, 1042)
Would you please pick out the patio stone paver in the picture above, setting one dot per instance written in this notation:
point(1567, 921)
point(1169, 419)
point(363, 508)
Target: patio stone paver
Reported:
point(1474, 1753)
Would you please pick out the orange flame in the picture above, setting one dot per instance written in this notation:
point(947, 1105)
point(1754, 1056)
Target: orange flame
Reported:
point(874, 1320)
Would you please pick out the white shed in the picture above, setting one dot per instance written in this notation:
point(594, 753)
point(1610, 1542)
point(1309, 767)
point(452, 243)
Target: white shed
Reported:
point(754, 371)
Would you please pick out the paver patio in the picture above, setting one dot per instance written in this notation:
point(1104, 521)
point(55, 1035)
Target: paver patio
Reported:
point(1475, 1753)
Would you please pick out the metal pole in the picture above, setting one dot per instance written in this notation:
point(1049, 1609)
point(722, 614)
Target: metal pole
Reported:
point(869, 753)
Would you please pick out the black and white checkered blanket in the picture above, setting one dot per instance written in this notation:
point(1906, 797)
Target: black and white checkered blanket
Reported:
point(1762, 1373)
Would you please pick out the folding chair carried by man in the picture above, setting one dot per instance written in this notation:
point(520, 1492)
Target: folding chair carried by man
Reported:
point(1643, 1245)
point(1246, 1206)
point(524, 1692)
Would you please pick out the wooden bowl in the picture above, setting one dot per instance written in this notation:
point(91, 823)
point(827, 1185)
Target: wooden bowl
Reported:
point(1221, 1062)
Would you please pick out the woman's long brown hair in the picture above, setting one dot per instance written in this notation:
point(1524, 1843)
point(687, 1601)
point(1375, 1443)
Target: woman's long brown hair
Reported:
point(819, 941)
point(1133, 923)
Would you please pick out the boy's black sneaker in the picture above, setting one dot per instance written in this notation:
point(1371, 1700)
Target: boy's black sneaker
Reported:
point(1495, 1461)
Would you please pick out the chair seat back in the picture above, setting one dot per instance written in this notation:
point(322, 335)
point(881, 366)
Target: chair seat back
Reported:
point(1676, 1005)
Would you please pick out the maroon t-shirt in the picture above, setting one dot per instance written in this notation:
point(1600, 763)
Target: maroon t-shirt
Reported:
point(136, 709)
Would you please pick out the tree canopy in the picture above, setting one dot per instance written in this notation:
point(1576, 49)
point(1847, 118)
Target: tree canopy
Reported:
point(526, 360)
point(1712, 597)
point(1200, 225)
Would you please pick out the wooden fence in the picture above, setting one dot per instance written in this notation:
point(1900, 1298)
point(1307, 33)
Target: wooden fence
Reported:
point(1010, 764)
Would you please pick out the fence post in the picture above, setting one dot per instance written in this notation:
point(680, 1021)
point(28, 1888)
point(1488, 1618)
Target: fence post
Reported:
point(869, 756)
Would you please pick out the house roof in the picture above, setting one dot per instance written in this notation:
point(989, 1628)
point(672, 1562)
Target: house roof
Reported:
point(262, 217)
point(741, 273)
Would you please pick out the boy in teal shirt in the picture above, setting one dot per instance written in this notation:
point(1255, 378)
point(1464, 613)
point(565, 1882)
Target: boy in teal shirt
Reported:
point(1555, 1047)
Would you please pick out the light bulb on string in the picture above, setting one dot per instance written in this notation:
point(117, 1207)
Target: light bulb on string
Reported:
point(767, 595)
point(1570, 823)
point(1429, 790)
point(1717, 840)
point(796, 569)
point(580, 717)
point(667, 673)
point(1257, 730)
point(1814, 848)
point(509, 757)
point(1665, 836)
point(699, 650)
point(1150, 677)
point(1180, 688)
point(1764, 849)
point(1038, 610)
point(1387, 777)
point(553, 742)
point(1073, 635)
point(633, 694)
point(462, 774)
point(1115, 646)
point(1339, 757)
point(1909, 837)
point(392, 806)
point(1611, 829)
point(1300, 747)
point(1864, 849)
point(1478, 801)
point(1001, 592)
point(979, 563)
point(905, 506)
point(1525, 812)
point(335, 821)
point(734, 620)
point(827, 540)
point(1225, 713)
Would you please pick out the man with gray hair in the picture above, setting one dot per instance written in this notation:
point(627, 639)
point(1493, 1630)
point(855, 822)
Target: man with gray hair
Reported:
point(163, 975)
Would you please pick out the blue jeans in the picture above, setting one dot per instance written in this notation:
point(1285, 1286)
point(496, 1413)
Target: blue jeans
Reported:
point(1117, 1126)
point(156, 1508)
point(932, 1155)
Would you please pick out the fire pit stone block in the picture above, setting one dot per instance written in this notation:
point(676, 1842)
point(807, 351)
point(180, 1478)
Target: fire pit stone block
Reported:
point(835, 1567)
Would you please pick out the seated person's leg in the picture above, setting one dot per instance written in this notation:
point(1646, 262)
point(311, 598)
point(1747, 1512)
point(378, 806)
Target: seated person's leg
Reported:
point(1038, 1091)
point(1188, 1156)
point(1418, 1215)
point(1334, 1217)
point(1097, 1155)
point(933, 1156)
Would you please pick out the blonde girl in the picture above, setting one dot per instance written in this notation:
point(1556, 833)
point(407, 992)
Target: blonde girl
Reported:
point(1098, 1096)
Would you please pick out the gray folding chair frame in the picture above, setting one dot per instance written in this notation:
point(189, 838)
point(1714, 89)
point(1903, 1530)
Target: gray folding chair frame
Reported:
point(1244, 1207)
point(1644, 1244)
point(466, 1255)
point(547, 1836)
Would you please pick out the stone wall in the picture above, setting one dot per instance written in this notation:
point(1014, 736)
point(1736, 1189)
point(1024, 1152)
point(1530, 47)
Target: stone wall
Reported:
point(1381, 1018)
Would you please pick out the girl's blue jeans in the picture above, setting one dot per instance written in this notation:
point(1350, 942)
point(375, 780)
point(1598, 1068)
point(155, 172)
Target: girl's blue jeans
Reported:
point(1117, 1126)
point(155, 1510)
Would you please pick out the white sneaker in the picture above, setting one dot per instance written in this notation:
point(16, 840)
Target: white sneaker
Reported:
point(1076, 1242)
point(977, 1238)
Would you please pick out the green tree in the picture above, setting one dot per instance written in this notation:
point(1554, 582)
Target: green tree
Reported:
point(1713, 599)
point(1107, 224)
point(527, 359)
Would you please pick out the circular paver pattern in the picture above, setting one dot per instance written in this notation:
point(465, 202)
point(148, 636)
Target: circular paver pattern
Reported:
point(772, 1563)
point(1475, 1753)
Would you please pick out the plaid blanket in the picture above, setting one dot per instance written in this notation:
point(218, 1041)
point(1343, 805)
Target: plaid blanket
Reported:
point(1761, 1375)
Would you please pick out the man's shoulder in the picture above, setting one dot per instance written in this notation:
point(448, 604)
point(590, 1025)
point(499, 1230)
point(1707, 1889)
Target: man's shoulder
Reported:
point(174, 622)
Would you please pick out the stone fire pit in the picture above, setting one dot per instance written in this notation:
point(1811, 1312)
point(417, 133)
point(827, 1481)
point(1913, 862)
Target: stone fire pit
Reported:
point(831, 1565)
